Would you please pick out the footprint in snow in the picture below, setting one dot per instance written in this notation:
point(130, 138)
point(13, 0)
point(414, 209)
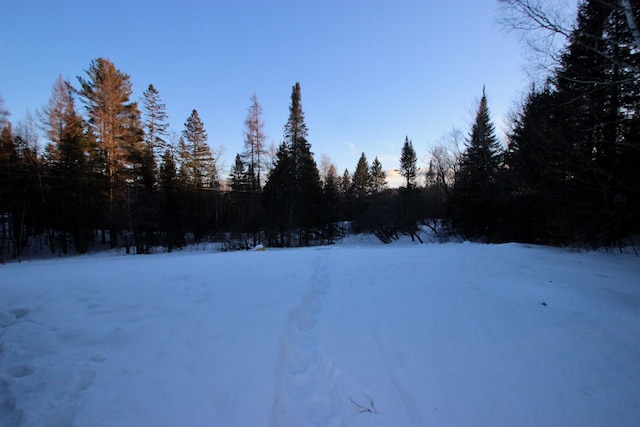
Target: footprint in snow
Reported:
point(10, 317)
point(97, 358)
point(20, 371)
point(81, 382)
point(7, 318)
point(20, 312)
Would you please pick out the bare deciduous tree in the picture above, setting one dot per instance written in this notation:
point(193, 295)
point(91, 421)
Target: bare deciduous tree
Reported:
point(547, 26)
point(254, 139)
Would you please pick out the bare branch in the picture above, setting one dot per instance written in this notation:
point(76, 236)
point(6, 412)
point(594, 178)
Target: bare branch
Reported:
point(633, 25)
point(361, 408)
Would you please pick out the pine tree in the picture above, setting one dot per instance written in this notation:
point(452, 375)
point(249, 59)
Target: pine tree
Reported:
point(408, 163)
point(106, 94)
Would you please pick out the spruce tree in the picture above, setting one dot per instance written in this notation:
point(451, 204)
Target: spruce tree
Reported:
point(197, 158)
point(332, 204)
point(378, 176)
point(296, 175)
point(346, 196)
point(574, 148)
point(361, 182)
point(239, 180)
point(276, 197)
point(345, 183)
point(476, 185)
point(408, 163)
point(155, 127)
point(536, 165)
point(599, 83)
point(171, 192)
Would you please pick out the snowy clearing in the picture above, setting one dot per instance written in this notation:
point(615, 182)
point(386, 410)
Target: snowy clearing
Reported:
point(347, 335)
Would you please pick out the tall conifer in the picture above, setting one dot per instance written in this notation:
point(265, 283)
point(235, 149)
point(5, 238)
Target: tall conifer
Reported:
point(408, 163)
point(296, 176)
point(475, 190)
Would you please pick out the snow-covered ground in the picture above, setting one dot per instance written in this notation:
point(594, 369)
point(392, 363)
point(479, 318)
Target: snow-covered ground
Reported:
point(346, 335)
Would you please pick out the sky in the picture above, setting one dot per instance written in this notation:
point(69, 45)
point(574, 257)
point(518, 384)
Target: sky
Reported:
point(371, 71)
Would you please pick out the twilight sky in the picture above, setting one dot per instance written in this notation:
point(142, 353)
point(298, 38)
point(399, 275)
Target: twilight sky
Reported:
point(371, 71)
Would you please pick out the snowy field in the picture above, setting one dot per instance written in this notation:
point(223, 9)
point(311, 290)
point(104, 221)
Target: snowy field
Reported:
point(347, 335)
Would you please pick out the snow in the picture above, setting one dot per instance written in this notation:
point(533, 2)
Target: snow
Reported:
point(357, 334)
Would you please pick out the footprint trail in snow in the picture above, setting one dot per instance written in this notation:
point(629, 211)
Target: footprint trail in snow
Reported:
point(307, 388)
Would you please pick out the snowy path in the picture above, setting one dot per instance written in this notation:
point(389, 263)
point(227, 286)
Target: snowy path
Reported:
point(307, 387)
point(366, 335)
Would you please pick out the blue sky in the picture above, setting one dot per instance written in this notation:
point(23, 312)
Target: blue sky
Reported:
point(371, 71)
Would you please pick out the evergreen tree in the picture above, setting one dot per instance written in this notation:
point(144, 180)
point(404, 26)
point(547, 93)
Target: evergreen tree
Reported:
point(276, 198)
point(296, 175)
point(155, 127)
point(4, 114)
point(599, 82)
point(408, 163)
point(171, 192)
point(21, 193)
point(345, 183)
point(574, 149)
point(332, 204)
point(361, 181)
point(535, 171)
point(476, 186)
point(106, 94)
point(239, 180)
point(73, 195)
point(155, 123)
point(141, 210)
point(243, 204)
point(378, 177)
point(9, 194)
point(197, 158)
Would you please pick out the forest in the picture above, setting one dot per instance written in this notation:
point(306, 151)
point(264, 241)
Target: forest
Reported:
point(110, 175)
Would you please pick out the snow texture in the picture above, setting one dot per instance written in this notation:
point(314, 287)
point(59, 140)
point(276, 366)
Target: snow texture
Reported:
point(356, 334)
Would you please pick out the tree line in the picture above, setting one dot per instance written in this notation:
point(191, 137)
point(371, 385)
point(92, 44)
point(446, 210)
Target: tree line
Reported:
point(566, 174)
